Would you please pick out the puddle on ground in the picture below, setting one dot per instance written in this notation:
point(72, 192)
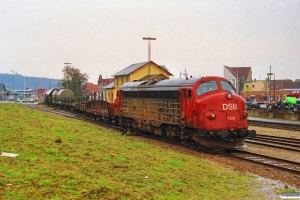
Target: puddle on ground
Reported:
point(269, 187)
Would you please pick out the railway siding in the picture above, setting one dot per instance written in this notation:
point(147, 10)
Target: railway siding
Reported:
point(274, 114)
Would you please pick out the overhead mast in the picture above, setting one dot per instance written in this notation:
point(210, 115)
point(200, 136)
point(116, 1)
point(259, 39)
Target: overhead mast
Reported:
point(149, 53)
point(185, 73)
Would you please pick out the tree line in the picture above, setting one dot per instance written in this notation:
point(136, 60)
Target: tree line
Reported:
point(73, 79)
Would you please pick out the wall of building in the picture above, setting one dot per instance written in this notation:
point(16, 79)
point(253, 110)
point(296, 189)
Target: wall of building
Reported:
point(136, 75)
point(143, 71)
point(230, 77)
point(260, 91)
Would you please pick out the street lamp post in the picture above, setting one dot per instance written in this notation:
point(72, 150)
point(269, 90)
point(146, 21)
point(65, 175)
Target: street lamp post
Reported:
point(37, 88)
point(13, 84)
point(24, 89)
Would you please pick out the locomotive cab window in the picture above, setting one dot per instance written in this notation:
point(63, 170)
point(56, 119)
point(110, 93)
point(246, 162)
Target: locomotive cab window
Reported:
point(206, 87)
point(227, 86)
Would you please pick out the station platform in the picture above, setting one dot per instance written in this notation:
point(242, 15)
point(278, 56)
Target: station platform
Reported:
point(281, 121)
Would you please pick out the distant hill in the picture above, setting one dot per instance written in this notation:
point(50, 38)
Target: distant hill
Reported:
point(16, 82)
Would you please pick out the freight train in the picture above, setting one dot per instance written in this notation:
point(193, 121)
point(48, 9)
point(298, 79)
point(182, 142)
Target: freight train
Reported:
point(206, 111)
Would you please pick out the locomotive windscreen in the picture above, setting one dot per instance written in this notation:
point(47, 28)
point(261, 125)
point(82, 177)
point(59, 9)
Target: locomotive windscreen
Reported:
point(227, 86)
point(206, 87)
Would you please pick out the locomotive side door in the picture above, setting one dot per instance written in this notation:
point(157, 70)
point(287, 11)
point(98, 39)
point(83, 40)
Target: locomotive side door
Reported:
point(182, 103)
point(118, 103)
point(191, 114)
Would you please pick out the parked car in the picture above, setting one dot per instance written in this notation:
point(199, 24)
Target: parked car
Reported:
point(258, 105)
point(28, 100)
point(295, 93)
point(248, 105)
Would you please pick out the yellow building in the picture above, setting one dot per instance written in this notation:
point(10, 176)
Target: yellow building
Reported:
point(136, 72)
point(255, 89)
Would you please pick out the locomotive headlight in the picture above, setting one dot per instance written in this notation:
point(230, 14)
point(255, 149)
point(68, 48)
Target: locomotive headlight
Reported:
point(229, 96)
point(210, 115)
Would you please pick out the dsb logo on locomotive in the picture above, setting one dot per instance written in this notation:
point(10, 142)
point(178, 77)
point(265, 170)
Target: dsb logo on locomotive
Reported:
point(229, 106)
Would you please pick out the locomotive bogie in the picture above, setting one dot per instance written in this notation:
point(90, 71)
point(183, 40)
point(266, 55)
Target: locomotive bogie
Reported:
point(216, 143)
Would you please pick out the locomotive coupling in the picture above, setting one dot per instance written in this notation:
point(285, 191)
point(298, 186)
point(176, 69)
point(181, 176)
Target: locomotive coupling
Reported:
point(251, 133)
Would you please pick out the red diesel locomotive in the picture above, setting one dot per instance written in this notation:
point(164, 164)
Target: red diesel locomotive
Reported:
point(205, 110)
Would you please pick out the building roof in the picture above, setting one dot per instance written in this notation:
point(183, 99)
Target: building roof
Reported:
point(239, 72)
point(134, 67)
point(89, 87)
point(152, 77)
point(110, 86)
point(285, 84)
point(104, 81)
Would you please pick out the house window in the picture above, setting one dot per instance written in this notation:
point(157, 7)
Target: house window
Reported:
point(233, 82)
point(252, 86)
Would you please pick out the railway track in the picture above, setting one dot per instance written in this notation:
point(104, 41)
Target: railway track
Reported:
point(282, 164)
point(274, 162)
point(276, 125)
point(54, 111)
point(291, 144)
point(71, 114)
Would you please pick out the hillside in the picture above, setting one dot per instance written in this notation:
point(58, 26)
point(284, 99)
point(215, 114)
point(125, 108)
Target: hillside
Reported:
point(16, 82)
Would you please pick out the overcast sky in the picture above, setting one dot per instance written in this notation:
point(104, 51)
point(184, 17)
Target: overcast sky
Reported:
point(102, 36)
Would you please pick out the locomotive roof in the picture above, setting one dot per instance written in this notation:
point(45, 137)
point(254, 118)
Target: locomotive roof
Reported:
point(166, 85)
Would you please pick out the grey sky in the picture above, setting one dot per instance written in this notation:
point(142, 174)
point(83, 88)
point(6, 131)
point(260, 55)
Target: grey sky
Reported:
point(104, 36)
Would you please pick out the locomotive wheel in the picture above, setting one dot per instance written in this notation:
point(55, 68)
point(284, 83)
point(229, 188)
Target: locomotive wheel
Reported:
point(269, 107)
point(296, 108)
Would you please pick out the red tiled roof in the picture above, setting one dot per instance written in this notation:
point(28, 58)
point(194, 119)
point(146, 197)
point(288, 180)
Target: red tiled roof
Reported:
point(285, 84)
point(90, 87)
point(104, 81)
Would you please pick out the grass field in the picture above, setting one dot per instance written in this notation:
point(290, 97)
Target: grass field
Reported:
point(61, 158)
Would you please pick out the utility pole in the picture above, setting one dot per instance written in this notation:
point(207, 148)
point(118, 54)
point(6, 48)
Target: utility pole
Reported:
point(67, 64)
point(149, 46)
point(149, 53)
point(13, 84)
point(270, 74)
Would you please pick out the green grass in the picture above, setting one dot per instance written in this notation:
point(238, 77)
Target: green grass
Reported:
point(61, 158)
